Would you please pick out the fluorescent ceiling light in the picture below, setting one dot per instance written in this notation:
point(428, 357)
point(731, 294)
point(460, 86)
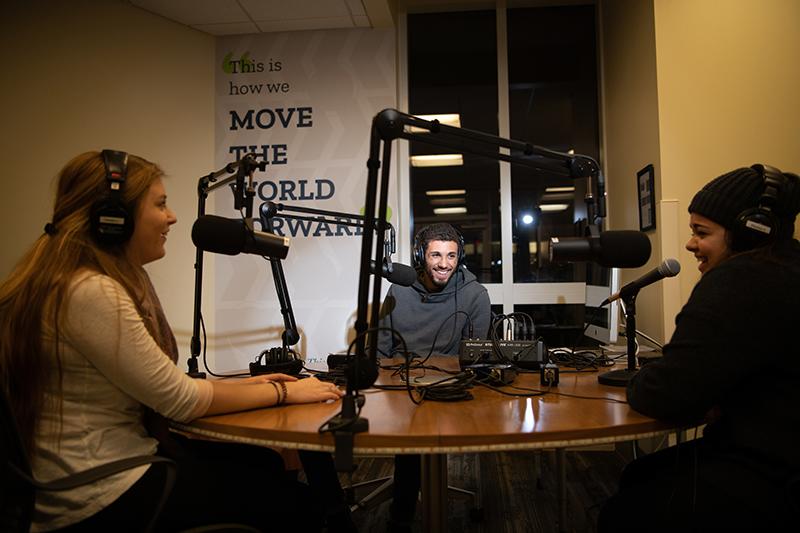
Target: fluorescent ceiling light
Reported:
point(438, 160)
point(450, 119)
point(449, 210)
point(552, 208)
point(560, 189)
point(446, 192)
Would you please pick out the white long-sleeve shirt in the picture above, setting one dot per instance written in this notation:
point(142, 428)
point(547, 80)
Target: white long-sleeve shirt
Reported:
point(112, 367)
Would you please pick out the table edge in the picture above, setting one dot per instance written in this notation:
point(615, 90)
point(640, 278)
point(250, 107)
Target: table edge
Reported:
point(432, 449)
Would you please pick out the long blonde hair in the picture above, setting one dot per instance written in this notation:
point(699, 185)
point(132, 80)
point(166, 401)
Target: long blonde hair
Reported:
point(37, 289)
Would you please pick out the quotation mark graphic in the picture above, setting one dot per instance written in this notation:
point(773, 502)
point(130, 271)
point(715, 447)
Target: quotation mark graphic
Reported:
point(227, 63)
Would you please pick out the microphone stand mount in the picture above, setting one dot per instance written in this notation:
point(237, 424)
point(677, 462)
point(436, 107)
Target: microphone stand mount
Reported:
point(243, 197)
point(621, 377)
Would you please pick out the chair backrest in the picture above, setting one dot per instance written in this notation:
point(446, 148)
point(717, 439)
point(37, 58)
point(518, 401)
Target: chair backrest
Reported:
point(17, 497)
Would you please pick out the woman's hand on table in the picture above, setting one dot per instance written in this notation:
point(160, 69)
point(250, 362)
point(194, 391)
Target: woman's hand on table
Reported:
point(311, 390)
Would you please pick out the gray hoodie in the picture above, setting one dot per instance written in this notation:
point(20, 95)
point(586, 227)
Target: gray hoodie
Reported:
point(418, 314)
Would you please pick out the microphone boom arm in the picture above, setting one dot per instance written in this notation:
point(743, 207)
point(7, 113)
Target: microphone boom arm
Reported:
point(388, 125)
point(270, 209)
point(268, 212)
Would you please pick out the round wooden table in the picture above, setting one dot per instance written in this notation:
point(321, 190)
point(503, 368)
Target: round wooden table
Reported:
point(577, 412)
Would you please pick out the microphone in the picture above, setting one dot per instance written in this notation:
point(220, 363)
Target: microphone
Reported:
point(667, 269)
point(229, 236)
point(613, 249)
point(397, 273)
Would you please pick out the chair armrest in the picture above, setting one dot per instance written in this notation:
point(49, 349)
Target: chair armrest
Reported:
point(98, 472)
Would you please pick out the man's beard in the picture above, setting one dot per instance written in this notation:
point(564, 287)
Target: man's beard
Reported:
point(435, 280)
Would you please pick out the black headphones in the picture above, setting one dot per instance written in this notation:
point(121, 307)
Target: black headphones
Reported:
point(418, 253)
point(758, 226)
point(110, 221)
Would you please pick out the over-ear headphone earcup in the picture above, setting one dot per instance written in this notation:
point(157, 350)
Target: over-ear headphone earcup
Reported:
point(418, 256)
point(754, 227)
point(758, 226)
point(109, 220)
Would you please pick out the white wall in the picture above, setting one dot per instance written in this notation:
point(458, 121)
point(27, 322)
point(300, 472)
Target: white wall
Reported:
point(86, 75)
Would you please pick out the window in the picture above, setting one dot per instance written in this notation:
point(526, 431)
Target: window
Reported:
point(546, 94)
point(552, 103)
point(453, 70)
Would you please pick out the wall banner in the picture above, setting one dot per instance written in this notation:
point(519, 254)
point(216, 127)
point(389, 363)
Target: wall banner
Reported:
point(304, 102)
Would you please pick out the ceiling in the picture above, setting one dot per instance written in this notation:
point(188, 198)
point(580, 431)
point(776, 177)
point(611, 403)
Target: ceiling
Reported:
point(232, 17)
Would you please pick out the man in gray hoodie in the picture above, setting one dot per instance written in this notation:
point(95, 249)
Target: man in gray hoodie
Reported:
point(445, 305)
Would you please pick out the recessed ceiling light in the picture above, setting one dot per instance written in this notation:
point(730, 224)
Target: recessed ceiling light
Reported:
point(560, 189)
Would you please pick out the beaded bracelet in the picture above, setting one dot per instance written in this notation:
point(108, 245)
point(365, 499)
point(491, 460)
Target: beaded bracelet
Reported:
point(285, 392)
point(277, 392)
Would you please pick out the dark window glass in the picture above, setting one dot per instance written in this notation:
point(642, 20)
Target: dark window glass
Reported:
point(452, 64)
point(553, 103)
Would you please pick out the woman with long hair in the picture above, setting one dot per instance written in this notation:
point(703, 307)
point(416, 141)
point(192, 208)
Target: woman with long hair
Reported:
point(87, 361)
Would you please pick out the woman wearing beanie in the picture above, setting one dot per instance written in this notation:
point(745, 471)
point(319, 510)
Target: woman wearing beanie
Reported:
point(734, 362)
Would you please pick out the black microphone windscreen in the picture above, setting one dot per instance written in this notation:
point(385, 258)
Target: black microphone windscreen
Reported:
point(402, 275)
point(623, 249)
point(218, 235)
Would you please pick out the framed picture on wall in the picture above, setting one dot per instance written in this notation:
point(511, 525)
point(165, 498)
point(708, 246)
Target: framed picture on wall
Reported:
point(645, 182)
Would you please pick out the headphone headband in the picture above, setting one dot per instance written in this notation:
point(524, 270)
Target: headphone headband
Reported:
point(116, 164)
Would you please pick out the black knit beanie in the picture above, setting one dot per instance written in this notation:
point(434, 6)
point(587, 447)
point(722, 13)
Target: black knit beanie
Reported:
point(725, 197)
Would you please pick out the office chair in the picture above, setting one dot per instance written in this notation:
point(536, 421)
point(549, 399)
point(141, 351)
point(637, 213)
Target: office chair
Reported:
point(18, 486)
